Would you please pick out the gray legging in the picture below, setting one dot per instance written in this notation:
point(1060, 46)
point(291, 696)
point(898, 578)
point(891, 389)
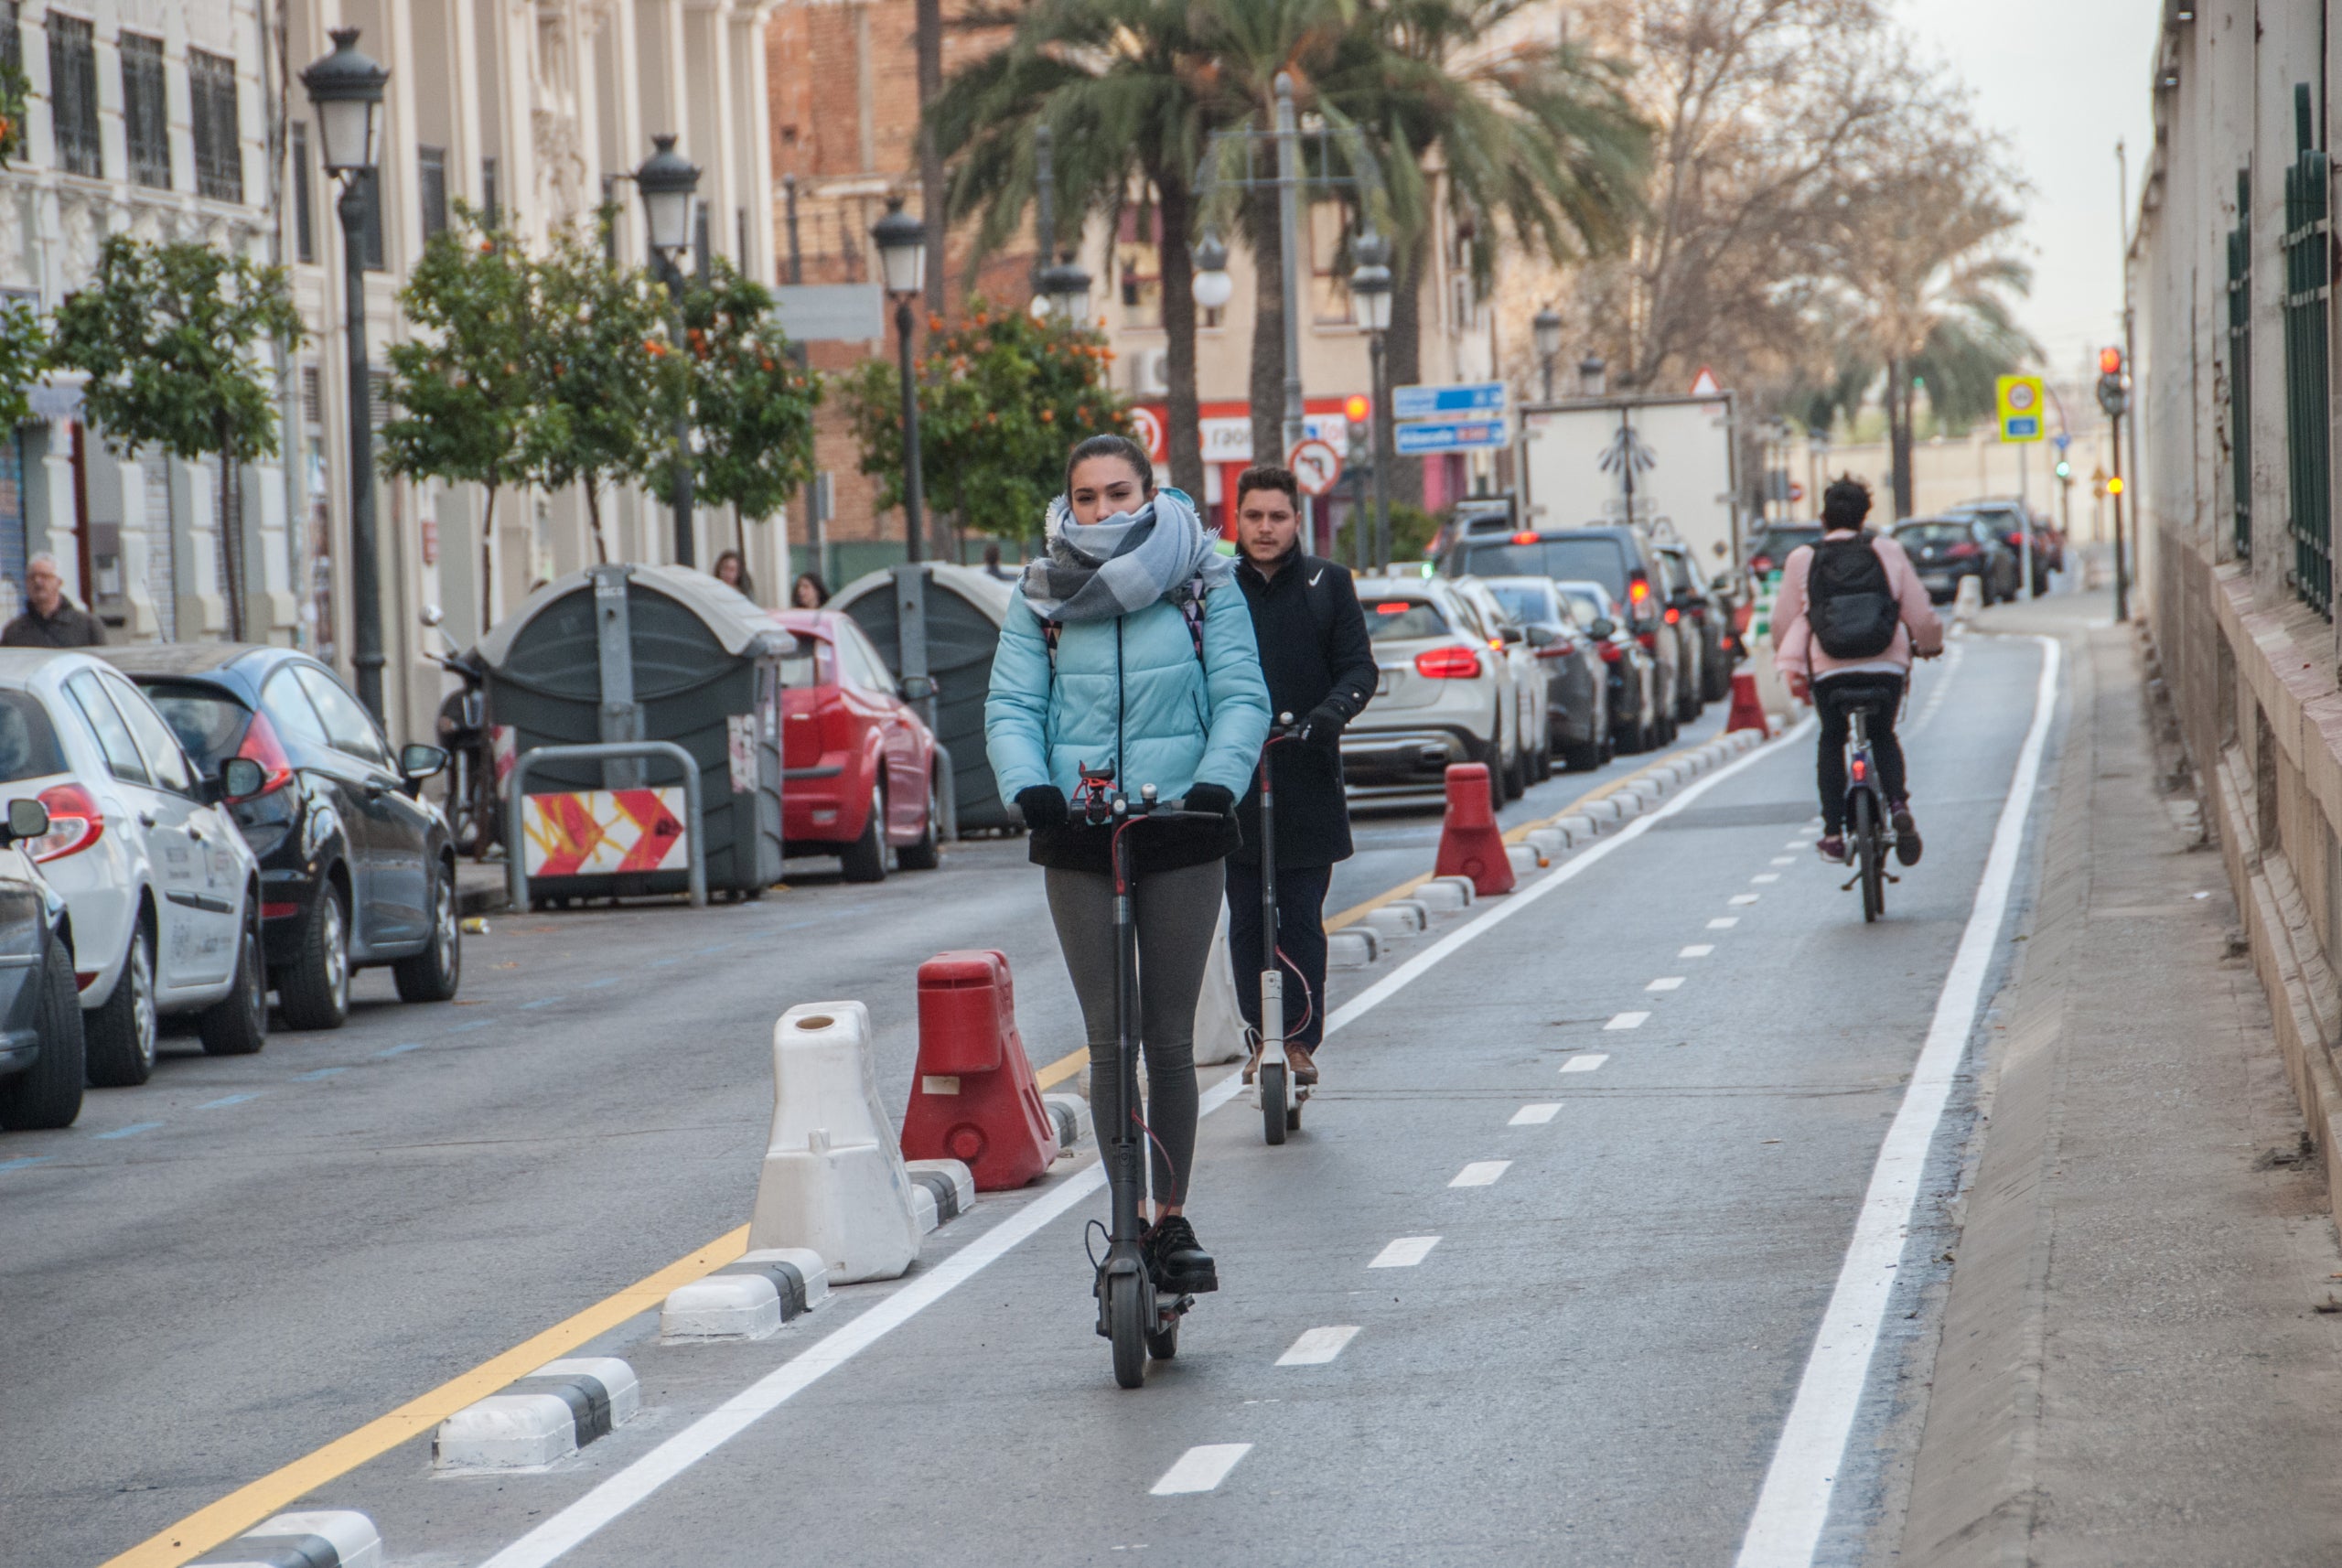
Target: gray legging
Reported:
point(1177, 913)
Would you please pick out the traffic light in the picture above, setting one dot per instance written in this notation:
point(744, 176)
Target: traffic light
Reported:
point(2064, 469)
point(2113, 385)
point(1355, 408)
point(2115, 485)
point(2109, 361)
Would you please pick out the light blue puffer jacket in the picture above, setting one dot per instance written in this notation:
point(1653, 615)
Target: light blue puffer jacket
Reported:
point(1130, 692)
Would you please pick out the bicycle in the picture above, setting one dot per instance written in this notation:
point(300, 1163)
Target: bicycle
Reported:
point(1139, 1321)
point(1869, 835)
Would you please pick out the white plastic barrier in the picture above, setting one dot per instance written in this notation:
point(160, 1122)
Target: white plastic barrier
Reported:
point(833, 1180)
point(1967, 600)
point(1220, 1026)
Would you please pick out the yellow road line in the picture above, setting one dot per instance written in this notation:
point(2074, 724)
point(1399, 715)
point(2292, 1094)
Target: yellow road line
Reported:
point(1064, 1068)
point(241, 1509)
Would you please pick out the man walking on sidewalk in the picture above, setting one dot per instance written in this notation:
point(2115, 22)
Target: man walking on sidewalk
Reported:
point(1320, 668)
point(50, 619)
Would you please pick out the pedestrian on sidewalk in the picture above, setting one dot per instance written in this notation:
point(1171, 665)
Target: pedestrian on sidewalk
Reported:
point(1125, 644)
point(50, 618)
point(1320, 669)
point(1851, 613)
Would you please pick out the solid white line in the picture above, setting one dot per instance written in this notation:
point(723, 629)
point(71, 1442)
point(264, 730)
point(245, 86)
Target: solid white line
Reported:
point(1697, 949)
point(1795, 1502)
point(1666, 983)
point(1535, 1115)
point(1586, 1062)
point(1626, 1021)
point(1723, 922)
point(1481, 1173)
point(1405, 1252)
point(1318, 1346)
point(1201, 1468)
point(615, 1496)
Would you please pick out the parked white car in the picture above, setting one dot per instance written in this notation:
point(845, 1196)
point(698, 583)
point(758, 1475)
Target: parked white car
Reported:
point(1444, 695)
point(161, 892)
point(1532, 761)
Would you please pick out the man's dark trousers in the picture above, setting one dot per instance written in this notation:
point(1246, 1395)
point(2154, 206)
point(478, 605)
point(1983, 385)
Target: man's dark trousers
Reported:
point(1301, 937)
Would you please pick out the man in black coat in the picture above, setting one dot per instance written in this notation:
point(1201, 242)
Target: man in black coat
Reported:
point(1320, 669)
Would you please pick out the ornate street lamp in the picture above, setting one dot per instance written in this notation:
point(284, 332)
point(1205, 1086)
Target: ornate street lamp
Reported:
point(667, 183)
point(1213, 288)
point(1371, 295)
point(1546, 329)
point(1593, 376)
point(901, 240)
point(346, 88)
point(1066, 288)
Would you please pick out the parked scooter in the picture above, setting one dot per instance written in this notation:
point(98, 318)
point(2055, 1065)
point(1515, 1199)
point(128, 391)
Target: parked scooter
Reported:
point(474, 805)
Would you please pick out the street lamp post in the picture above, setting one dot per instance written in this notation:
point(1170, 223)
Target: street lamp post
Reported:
point(346, 88)
point(901, 240)
point(1593, 376)
point(1066, 287)
point(1547, 331)
point(668, 181)
point(1370, 306)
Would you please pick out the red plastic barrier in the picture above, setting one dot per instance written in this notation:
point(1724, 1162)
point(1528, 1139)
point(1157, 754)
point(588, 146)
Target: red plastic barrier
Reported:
point(1470, 843)
point(973, 1097)
point(1748, 711)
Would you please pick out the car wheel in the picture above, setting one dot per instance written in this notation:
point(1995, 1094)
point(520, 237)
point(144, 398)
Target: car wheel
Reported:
point(1516, 776)
point(865, 860)
point(121, 1032)
point(928, 853)
point(432, 974)
point(237, 1025)
point(49, 1093)
point(1581, 755)
point(314, 989)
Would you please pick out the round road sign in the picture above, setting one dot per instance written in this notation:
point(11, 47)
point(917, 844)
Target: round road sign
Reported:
point(1317, 465)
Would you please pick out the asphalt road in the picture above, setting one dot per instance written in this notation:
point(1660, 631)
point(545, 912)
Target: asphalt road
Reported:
point(246, 1259)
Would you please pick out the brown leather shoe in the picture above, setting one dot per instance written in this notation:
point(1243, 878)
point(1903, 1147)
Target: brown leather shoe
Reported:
point(1304, 1070)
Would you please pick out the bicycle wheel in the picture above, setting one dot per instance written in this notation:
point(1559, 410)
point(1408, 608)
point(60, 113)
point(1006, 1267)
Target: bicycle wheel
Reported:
point(1272, 1101)
point(1869, 856)
point(1127, 1327)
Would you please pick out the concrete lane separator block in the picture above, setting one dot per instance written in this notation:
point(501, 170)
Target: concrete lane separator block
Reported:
point(1579, 826)
point(329, 1538)
point(942, 1191)
point(1552, 842)
point(1445, 895)
point(1602, 811)
point(544, 1417)
point(748, 1299)
point(1352, 947)
point(1525, 859)
point(1399, 917)
point(1072, 1113)
point(1628, 803)
point(834, 1179)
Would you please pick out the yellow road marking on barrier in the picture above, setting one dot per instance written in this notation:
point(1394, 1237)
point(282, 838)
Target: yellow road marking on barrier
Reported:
point(214, 1523)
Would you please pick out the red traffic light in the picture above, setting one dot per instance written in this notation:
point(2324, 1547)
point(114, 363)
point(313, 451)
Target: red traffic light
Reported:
point(1355, 408)
point(2109, 361)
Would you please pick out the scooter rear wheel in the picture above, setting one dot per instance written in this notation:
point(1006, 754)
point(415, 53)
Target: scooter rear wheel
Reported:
point(1272, 1101)
point(1127, 1327)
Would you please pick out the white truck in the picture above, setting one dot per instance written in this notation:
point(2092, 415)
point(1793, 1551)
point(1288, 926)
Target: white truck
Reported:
point(1668, 463)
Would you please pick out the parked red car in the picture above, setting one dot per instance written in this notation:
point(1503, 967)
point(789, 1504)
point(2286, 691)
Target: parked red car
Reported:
point(858, 763)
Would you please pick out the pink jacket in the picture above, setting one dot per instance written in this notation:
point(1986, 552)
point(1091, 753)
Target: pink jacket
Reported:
point(1795, 650)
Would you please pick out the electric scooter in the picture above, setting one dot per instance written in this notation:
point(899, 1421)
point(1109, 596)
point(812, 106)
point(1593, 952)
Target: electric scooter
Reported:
point(1280, 1097)
point(1138, 1320)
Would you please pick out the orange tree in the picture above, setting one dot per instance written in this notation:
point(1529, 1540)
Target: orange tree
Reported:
point(1002, 397)
point(751, 402)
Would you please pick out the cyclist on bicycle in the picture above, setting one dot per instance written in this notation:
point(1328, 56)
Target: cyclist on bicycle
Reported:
point(1129, 645)
point(1850, 616)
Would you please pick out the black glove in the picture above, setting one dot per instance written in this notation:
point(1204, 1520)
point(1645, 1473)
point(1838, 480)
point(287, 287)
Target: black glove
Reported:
point(1042, 805)
point(1323, 727)
point(1210, 797)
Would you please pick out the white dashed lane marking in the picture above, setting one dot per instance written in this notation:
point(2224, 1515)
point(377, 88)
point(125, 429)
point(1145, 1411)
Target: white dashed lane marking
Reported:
point(1318, 1346)
point(1786, 859)
point(1697, 949)
point(1764, 876)
point(1481, 1173)
point(1666, 983)
point(1535, 1115)
point(1742, 899)
point(1202, 1468)
point(1626, 1021)
point(1405, 1252)
point(1723, 922)
point(1586, 1063)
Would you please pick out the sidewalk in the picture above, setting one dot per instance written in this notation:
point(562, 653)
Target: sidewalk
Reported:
point(2134, 1369)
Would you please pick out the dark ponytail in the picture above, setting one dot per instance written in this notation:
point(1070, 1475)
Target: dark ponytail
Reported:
point(1121, 446)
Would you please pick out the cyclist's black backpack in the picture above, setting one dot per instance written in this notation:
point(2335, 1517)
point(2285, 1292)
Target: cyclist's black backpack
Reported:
point(1849, 601)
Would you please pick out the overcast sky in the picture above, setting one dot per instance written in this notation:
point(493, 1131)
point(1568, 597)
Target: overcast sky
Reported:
point(2061, 79)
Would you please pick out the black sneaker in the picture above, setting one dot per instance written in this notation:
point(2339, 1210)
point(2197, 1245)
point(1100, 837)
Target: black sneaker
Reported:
point(1180, 1264)
point(1906, 833)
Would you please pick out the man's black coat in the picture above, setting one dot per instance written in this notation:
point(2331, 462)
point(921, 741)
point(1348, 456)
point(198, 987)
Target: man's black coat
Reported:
point(1314, 652)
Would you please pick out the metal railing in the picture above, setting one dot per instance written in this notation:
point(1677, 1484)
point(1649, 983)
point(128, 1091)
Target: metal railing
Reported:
point(2309, 458)
point(695, 846)
point(2240, 363)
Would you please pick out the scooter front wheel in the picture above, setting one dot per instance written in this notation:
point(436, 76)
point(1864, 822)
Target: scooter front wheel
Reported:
point(1272, 1101)
point(1127, 1327)
point(1163, 1343)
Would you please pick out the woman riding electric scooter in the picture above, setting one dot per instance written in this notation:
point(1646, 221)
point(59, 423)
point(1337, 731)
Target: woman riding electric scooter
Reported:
point(1129, 648)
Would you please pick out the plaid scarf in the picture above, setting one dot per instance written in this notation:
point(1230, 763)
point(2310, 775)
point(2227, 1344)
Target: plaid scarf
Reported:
point(1103, 570)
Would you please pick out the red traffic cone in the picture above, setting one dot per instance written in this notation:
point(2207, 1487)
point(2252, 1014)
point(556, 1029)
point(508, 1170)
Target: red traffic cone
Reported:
point(1747, 711)
point(1469, 843)
point(973, 1097)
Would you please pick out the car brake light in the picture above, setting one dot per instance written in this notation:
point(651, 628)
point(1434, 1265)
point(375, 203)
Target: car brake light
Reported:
point(1760, 565)
point(1449, 663)
point(262, 746)
point(74, 823)
point(1961, 551)
point(284, 912)
point(1648, 639)
point(1611, 652)
point(1393, 607)
point(1637, 591)
point(1673, 615)
point(1526, 536)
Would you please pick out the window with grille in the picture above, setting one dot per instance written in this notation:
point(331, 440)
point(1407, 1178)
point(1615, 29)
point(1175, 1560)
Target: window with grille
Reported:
point(73, 95)
point(219, 141)
point(12, 37)
point(489, 207)
point(146, 123)
point(2240, 363)
point(431, 180)
point(2308, 457)
point(305, 237)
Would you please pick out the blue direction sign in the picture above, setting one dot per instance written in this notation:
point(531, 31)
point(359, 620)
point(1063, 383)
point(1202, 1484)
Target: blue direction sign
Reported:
point(1447, 402)
point(1423, 438)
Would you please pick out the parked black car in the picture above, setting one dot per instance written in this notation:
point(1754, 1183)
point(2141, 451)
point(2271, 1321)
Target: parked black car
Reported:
point(1771, 551)
point(1619, 557)
point(357, 870)
point(1946, 548)
point(1704, 626)
point(1577, 685)
point(42, 1066)
point(1637, 698)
